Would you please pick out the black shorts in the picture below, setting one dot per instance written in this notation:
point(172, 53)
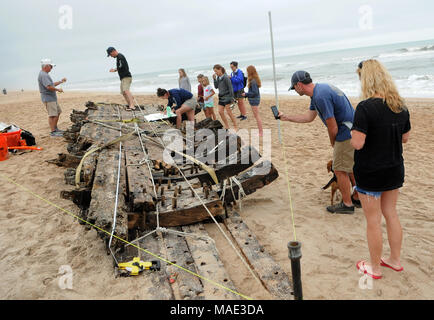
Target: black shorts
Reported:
point(238, 94)
point(224, 101)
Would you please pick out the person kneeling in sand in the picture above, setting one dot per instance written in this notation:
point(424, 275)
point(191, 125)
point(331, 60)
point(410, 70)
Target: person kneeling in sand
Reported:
point(47, 88)
point(336, 112)
point(185, 103)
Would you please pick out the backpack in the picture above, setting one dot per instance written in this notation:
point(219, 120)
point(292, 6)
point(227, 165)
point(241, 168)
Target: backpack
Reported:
point(28, 136)
point(245, 81)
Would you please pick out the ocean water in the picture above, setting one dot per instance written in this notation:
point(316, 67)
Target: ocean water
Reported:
point(411, 65)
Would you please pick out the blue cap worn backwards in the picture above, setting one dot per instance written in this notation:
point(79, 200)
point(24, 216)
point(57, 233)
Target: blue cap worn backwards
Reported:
point(299, 76)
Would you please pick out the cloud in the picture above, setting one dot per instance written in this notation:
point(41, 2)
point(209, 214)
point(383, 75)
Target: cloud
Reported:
point(160, 35)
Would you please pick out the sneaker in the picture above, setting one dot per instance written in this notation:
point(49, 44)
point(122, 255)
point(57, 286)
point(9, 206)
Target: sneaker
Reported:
point(58, 130)
point(356, 203)
point(240, 116)
point(340, 208)
point(56, 134)
point(243, 118)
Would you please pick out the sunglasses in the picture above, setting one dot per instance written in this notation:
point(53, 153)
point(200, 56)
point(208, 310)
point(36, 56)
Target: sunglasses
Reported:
point(361, 64)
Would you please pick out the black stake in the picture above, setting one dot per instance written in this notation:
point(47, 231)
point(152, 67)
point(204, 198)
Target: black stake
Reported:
point(294, 254)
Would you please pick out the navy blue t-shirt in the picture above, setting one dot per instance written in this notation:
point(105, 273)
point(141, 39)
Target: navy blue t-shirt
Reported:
point(328, 101)
point(178, 96)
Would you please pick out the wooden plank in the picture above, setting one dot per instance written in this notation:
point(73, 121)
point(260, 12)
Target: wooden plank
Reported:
point(140, 189)
point(208, 263)
point(155, 282)
point(251, 180)
point(186, 285)
point(101, 207)
point(65, 160)
point(272, 276)
point(185, 216)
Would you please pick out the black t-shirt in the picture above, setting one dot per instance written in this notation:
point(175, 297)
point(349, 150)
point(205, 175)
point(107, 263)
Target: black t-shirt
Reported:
point(122, 66)
point(379, 165)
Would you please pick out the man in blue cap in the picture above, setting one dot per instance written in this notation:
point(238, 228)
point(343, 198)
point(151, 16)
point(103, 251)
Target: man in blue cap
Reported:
point(124, 74)
point(337, 113)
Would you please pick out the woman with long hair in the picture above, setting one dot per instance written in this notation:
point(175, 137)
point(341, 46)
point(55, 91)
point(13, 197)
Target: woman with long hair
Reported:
point(253, 95)
point(226, 94)
point(381, 125)
point(184, 81)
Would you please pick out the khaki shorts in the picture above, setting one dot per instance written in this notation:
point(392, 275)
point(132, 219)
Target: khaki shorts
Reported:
point(343, 156)
point(126, 84)
point(192, 103)
point(53, 108)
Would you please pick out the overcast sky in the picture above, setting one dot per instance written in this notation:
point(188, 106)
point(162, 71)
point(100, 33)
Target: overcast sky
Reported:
point(160, 35)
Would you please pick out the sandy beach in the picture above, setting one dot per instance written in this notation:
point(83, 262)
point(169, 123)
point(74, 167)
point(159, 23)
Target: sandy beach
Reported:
point(37, 238)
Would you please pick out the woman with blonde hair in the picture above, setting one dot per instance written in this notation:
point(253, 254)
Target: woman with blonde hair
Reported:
point(253, 95)
point(184, 81)
point(381, 125)
point(208, 93)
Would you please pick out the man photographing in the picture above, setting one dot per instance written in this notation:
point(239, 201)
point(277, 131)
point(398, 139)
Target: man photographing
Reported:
point(124, 74)
point(336, 112)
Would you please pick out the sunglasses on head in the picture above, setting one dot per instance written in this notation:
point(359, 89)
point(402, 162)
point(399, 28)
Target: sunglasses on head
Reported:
point(361, 64)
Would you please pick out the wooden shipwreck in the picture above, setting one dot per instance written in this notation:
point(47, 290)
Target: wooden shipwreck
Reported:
point(156, 197)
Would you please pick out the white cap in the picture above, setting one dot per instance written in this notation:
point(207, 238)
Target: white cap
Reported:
point(47, 61)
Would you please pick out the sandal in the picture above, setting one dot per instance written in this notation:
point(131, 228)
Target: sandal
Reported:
point(384, 264)
point(362, 268)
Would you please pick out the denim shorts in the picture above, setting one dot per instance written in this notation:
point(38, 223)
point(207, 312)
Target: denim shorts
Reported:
point(375, 194)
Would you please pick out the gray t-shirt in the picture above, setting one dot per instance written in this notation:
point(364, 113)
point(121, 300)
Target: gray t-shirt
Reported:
point(184, 83)
point(45, 80)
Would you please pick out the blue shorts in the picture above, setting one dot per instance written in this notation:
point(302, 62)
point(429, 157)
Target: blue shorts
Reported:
point(375, 194)
point(208, 105)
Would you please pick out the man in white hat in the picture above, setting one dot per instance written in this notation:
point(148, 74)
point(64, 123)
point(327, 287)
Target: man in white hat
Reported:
point(47, 88)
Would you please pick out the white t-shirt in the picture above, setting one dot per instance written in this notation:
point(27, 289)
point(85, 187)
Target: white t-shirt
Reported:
point(207, 91)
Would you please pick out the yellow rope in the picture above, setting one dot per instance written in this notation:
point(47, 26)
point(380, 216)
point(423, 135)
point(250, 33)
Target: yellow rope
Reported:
point(289, 190)
point(123, 240)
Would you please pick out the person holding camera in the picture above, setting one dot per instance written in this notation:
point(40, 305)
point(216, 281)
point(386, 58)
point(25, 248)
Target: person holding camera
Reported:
point(337, 113)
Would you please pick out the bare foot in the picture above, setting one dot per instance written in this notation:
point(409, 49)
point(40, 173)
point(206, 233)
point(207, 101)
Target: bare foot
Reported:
point(394, 264)
point(367, 268)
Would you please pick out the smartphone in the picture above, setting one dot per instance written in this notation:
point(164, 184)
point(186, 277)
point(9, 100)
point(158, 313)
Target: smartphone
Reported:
point(275, 112)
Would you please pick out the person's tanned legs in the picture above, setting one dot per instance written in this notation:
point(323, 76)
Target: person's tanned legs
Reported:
point(344, 187)
point(52, 121)
point(128, 98)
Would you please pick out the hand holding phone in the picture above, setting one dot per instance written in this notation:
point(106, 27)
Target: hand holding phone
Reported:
point(275, 112)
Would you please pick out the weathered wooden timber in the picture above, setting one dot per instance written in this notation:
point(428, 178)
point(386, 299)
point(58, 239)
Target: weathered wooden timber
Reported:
point(152, 189)
point(269, 272)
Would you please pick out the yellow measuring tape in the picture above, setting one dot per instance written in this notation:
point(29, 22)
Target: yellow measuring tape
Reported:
point(78, 170)
point(123, 121)
point(289, 190)
point(123, 240)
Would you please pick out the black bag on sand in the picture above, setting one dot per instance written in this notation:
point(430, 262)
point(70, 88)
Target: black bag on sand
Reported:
point(28, 136)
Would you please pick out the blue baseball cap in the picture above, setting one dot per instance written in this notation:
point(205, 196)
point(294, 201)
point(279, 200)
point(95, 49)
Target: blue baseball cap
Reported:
point(109, 50)
point(299, 76)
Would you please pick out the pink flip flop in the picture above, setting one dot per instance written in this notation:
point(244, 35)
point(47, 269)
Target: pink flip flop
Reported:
point(361, 267)
point(384, 264)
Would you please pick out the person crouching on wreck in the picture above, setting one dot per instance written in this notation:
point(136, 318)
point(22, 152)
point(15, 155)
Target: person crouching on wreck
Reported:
point(185, 103)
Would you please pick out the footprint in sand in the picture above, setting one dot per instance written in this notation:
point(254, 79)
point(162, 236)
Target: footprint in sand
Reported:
point(47, 281)
point(258, 226)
